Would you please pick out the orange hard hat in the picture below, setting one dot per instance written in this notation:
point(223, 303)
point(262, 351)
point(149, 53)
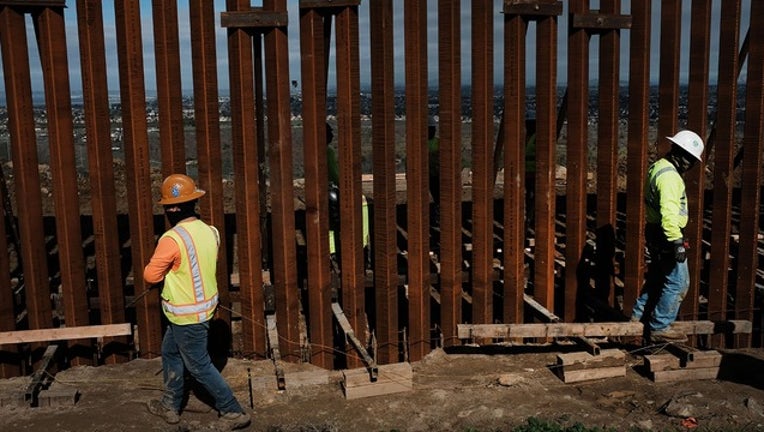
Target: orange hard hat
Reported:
point(179, 188)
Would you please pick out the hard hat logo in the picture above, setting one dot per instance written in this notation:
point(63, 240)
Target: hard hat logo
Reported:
point(179, 188)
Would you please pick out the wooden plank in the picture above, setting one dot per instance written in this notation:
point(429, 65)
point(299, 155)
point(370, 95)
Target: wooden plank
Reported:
point(685, 374)
point(65, 333)
point(253, 19)
point(466, 331)
point(593, 374)
point(584, 360)
point(392, 378)
point(661, 362)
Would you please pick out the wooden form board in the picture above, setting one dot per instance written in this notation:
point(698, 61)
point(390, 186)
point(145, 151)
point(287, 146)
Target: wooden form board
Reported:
point(669, 367)
point(602, 329)
point(64, 333)
point(582, 366)
point(392, 378)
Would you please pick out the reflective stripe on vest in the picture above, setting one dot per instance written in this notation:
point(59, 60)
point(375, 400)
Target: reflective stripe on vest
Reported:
point(201, 306)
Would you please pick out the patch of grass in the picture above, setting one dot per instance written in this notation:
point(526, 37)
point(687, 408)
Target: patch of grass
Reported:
point(536, 425)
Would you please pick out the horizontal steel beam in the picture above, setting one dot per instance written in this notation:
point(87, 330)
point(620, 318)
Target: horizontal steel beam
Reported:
point(255, 18)
point(601, 21)
point(532, 7)
point(319, 4)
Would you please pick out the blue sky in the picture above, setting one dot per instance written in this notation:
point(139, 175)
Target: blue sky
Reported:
point(147, 29)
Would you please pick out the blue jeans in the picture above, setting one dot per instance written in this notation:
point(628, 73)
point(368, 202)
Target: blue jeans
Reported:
point(666, 285)
point(184, 347)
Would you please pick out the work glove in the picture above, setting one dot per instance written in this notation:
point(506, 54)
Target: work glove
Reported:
point(680, 250)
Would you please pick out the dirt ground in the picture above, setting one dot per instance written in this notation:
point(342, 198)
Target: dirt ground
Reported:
point(467, 391)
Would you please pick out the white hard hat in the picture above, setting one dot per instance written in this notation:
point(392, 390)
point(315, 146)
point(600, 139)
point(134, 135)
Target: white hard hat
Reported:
point(690, 142)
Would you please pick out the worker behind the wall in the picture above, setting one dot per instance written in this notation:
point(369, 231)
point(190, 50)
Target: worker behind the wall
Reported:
point(333, 167)
point(433, 148)
point(186, 260)
point(666, 214)
point(530, 170)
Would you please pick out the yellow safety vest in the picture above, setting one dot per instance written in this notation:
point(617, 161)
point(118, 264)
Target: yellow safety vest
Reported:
point(190, 293)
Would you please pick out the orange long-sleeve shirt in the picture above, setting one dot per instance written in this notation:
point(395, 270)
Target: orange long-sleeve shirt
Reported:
point(166, 257)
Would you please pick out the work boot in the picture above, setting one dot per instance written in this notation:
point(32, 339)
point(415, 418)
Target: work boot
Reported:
point(668, 335)
point(159, 409)
point(233, 421)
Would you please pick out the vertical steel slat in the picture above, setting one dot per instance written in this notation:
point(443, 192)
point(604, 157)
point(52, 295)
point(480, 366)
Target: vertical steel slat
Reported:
point(168, 86)
point(577, 157)
point(515, 28)
point(101, 167)
point(21, 125)
point(482, 175)
point(246, 171)
point(668, 95)
point(282, 188)
point(51, 41)
point(697, 120)
point(546, 143)
point(349, 149)
point(724, 149)
point(607, 155)
point(753, 145)
point(9, 364)
point(383, 148)
point(207, 120)
point(417, 213)
point(138, 169)
point(313, 75)
point(636, 164)
point(450, 170)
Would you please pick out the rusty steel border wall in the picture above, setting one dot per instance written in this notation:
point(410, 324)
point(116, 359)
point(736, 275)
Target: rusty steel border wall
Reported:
point(410, 308)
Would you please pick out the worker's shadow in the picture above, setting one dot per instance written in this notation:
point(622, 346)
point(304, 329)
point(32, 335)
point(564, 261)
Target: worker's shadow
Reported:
point(219, 346)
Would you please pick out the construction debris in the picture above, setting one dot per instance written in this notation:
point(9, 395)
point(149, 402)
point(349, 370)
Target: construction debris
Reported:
point(583, 366)
point(683, 363)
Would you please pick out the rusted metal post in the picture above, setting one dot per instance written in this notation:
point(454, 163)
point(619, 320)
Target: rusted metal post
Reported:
point(349, 152)
point(418, 218)
point(383, 145)
point(668, 96)
point(313, 58)
point(21, 125)
point(482, 173)
point(245, 133)
point(137, 164)
point(724, 151)
point(577, 160)
point(607, 155)
point(450, 170)
point(282, 188)
point(515, 28)
point(636, 164)
point(51, 40)
point(9, 363)
point(546, 160)
point(100, 163)
point(168, 86)
point(207, 119)
point(697, 120)
point(749, 259)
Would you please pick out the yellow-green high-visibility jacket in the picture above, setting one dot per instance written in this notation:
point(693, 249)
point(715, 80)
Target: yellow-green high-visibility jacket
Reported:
point(666, 199)
point(190, 293)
